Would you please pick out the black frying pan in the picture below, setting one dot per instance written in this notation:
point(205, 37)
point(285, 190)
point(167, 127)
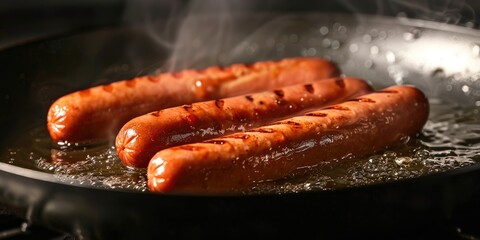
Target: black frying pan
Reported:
point(39, 72)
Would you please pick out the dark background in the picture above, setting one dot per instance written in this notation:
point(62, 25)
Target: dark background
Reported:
point(27, 19)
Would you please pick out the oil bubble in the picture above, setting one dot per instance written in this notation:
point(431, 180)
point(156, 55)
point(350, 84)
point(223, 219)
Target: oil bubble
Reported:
point(391, 57)
point(342, 29)
point(476, 50)
point(293, 38)
point(382, 35)
point(336, 44)
point(374, 50)
point(353, 48)
point(324, 30)
point(368, 64)
point(367, 38)
point(413, 34)
point(326, 43)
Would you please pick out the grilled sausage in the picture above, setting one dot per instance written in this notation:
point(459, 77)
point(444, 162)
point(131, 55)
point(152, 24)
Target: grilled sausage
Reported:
point(355, 128)
point(99, 112)
point(142, 137)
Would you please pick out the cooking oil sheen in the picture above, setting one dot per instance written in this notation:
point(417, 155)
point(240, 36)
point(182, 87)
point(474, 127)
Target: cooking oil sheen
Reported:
point(449, 140)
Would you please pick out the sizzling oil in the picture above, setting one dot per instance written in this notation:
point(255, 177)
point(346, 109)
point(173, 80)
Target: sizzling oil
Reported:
point(449, 140)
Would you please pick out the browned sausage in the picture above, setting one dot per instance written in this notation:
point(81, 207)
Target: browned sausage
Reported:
point(99, 112)
point(142, 137)
point(356, 128)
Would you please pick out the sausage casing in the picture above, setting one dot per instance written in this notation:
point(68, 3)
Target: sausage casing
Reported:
point(99, 112)
point(142, 137)
point(355, 128)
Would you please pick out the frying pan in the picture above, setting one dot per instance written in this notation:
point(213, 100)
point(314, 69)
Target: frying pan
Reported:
point(412, 52)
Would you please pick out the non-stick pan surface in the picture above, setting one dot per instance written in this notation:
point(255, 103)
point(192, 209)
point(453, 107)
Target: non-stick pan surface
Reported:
point(386, 51)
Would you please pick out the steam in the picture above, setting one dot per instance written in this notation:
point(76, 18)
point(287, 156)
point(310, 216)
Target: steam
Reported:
point(198, 34)
point(201, 38)
point(146, 12)
point(444, 11)
point(201, 33)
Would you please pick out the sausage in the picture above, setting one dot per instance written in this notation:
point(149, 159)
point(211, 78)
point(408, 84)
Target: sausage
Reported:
point(354, 128)
point(142, 137)
point(99, 112)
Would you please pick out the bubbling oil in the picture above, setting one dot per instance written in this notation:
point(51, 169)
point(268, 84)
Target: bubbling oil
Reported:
point(449, 140)
point(96, 164)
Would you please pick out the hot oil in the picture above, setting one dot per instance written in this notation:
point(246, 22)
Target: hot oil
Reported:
point(95, 164)
point(449, 140)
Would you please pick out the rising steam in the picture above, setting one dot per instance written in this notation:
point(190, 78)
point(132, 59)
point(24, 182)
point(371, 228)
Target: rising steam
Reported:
point(201, 33)
point(445, 11)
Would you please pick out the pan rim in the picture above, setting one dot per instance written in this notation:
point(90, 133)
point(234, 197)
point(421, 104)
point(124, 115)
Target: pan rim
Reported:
point(49, 178)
